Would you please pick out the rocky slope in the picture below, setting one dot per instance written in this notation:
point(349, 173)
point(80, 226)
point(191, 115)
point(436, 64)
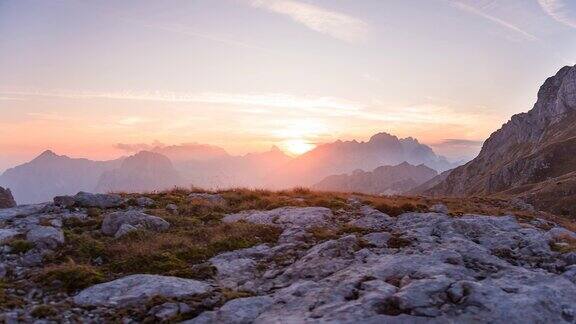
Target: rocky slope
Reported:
point(346, 264)
point(382, 180)
point(533, 156)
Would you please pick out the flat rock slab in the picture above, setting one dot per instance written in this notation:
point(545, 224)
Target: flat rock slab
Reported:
point(136, 289)
point(21, 211)
point(285, 217)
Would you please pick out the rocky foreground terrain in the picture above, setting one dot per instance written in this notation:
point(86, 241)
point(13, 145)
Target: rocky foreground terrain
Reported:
point(297, 256)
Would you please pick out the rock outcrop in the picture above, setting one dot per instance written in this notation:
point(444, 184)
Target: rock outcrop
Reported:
point(6, 198)
point(532, 157)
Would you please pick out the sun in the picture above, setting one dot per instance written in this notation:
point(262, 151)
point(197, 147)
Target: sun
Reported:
point(297, 146)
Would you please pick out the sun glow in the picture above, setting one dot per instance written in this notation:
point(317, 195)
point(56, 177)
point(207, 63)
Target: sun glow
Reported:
point(298, 146)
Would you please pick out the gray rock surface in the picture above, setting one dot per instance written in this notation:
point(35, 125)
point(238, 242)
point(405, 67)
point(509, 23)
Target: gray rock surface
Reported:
point(285, 217)
point(113, 221)
point(85, 199)
point(429, 268)
point(7, 234)
point(46, 237)
point(135, 289)
point(145, 202)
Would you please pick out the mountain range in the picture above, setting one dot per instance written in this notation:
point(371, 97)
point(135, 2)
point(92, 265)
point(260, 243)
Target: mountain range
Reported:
point(387, 180)
point(211, 167)
point(532, 157)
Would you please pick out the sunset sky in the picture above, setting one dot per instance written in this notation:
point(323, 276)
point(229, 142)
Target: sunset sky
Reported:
point(79, 77)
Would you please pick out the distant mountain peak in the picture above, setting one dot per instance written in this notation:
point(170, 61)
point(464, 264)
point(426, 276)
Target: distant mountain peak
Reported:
point(383, 136)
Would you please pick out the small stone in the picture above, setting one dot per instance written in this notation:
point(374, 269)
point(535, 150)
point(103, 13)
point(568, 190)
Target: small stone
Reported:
point(64, 201)
point(172, 209)
point(125, 229)
point(439, 208)
point(145, 202)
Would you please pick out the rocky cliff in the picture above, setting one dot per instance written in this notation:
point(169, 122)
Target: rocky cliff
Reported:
point(533, 156)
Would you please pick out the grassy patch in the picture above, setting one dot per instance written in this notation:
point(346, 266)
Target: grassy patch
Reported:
point(44, 311)
point(70, 276)
point(21, 246)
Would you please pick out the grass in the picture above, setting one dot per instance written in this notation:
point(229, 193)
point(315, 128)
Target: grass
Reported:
point(69, 276)
point(20, 246)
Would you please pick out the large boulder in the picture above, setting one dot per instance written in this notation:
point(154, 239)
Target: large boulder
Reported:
point(140, 288)
point(85, 199)
point(6, 198)
point(114, 221)
point(46, 237)
point(285, 217)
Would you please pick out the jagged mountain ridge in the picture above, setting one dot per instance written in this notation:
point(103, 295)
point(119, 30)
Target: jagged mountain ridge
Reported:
point(533, 156)
point(346, 156)
point(382, 180)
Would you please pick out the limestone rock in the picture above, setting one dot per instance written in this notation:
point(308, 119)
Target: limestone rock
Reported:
point(285, 217)
point(113, 221)
point(139, 288)
point(6, 198)
point(85, 199)
point(46, 237)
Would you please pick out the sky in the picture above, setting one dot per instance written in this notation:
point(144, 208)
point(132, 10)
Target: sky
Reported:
point(84, 77)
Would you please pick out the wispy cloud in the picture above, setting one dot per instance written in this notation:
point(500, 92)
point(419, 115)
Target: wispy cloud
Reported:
point(477, 8)
point(558, 10)
point(278, 100)
point(332, 23)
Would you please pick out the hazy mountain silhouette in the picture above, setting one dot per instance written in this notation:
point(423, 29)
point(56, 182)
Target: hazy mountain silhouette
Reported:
point(382, 180)
point(344, 157)
point(144, 171)
point(209, 166)
point(49, 175)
